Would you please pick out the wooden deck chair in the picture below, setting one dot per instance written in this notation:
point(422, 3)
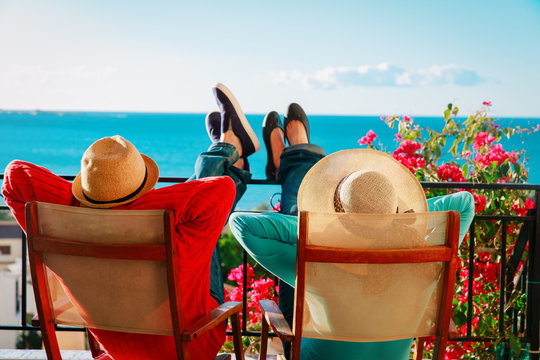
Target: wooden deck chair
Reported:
point(128, 257)
point(369, 278)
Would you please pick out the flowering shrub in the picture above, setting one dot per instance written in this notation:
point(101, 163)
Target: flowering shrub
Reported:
point(474, 154)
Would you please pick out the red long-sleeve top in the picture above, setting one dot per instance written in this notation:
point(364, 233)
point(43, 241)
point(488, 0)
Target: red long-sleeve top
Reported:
point(200, 209)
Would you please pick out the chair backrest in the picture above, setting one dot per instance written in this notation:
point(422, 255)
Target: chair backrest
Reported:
point(365, 277)
point(106, 269)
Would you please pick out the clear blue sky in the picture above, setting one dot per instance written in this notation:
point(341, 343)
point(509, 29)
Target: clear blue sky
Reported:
point(333, 57)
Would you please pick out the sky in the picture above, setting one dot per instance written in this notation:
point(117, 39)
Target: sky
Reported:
point(332, 57)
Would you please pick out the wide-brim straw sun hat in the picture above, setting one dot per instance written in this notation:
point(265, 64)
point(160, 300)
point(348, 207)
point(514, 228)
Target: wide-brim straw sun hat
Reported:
point(113, 173)
point(320, 185)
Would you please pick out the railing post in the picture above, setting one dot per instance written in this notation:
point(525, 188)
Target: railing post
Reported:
point(24, 293)
point(533, 286)
point(470, 279)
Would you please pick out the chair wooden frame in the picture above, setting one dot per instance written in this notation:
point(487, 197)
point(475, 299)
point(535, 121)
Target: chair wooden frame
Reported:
point(168, 252)
point(447, 253)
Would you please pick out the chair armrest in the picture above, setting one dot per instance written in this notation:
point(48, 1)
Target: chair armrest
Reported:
point(276, 320)
point(211, 320)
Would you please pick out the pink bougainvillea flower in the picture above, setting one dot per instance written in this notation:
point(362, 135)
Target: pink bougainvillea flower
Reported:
point(406, 118)
point(522, 210)
point(486, 103)
point(479, 202)
point(496, 154)
point(277, 207)
point(237, 274)
point(383, 117)
point(406, 155)
point(449, 172)
point(482, 139)
point(368, 138)
point(398, 137)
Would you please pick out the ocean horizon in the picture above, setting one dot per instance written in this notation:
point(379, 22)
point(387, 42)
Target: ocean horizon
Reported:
point(57, 140)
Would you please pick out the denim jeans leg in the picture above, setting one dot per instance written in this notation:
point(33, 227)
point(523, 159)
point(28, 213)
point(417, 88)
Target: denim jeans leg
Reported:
point(218, 161)
point(295, 162)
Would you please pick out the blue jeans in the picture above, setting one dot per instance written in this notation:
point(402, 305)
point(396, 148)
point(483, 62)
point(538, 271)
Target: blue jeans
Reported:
point(218, 161)
point(296, 160)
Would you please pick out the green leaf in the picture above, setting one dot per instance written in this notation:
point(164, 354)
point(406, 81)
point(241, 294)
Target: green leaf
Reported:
point(465, 171)
point(447, 114)
point(518, 169)
point(505, 168)
point(515, 345)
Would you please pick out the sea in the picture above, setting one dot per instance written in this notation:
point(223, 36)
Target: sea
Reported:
point(57, 140)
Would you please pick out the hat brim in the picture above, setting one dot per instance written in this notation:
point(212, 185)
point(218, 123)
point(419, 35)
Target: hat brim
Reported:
point(151, 181)
point(316, 191)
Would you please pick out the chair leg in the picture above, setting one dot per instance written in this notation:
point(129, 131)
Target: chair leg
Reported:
point(237, 337)
point(419, 348)
point(264, 340)
point(439, 349)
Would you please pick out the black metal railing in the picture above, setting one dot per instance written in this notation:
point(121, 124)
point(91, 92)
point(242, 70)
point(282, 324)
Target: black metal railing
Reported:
point(528, 282)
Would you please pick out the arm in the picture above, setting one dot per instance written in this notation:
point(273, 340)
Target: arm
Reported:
point(463, 202)
point(201, 208)
point(25, 182)
point(270, 238)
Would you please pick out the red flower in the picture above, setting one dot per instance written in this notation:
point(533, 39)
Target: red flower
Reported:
point(522, 210)
point(406, 154)
point(368, 139)
point(448, 172)
point(237, 275)
point(479, 202)
point(406, 118)
point(486, 103)
point(483, 138)
point(496, 154)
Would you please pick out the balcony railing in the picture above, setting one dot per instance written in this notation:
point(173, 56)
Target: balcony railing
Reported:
point(528, 282)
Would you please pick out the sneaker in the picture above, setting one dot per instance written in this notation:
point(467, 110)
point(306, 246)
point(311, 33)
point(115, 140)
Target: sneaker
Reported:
point(271, 121)
point(233, 118)
point(213, 125)
point(295, 112)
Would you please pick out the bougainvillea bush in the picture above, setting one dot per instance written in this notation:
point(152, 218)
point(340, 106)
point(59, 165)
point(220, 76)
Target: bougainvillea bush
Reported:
point(261, 288)
point(468, 150)
point(471, 151)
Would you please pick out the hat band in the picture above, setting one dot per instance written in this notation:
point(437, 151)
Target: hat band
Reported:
point(338, 207)
point(125, 198)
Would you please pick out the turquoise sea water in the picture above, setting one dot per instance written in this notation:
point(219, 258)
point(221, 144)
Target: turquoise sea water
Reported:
point(57, 140)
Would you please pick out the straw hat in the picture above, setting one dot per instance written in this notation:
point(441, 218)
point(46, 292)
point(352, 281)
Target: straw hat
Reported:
point(361, 181)
point(113, 173)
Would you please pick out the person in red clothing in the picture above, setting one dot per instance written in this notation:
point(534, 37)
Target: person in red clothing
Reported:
point(115, 175)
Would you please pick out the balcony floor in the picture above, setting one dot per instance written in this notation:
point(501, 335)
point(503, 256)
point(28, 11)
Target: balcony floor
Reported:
point(75, 355)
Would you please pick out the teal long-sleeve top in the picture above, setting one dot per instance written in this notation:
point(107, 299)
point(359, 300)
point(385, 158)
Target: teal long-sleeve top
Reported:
point(270, 238)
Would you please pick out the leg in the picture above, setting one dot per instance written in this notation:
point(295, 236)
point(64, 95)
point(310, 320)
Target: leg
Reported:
point(294, 162)
point(219, 160)
point(233, 140)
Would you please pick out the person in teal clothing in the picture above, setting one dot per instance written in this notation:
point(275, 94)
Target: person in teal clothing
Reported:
point(270, 238)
